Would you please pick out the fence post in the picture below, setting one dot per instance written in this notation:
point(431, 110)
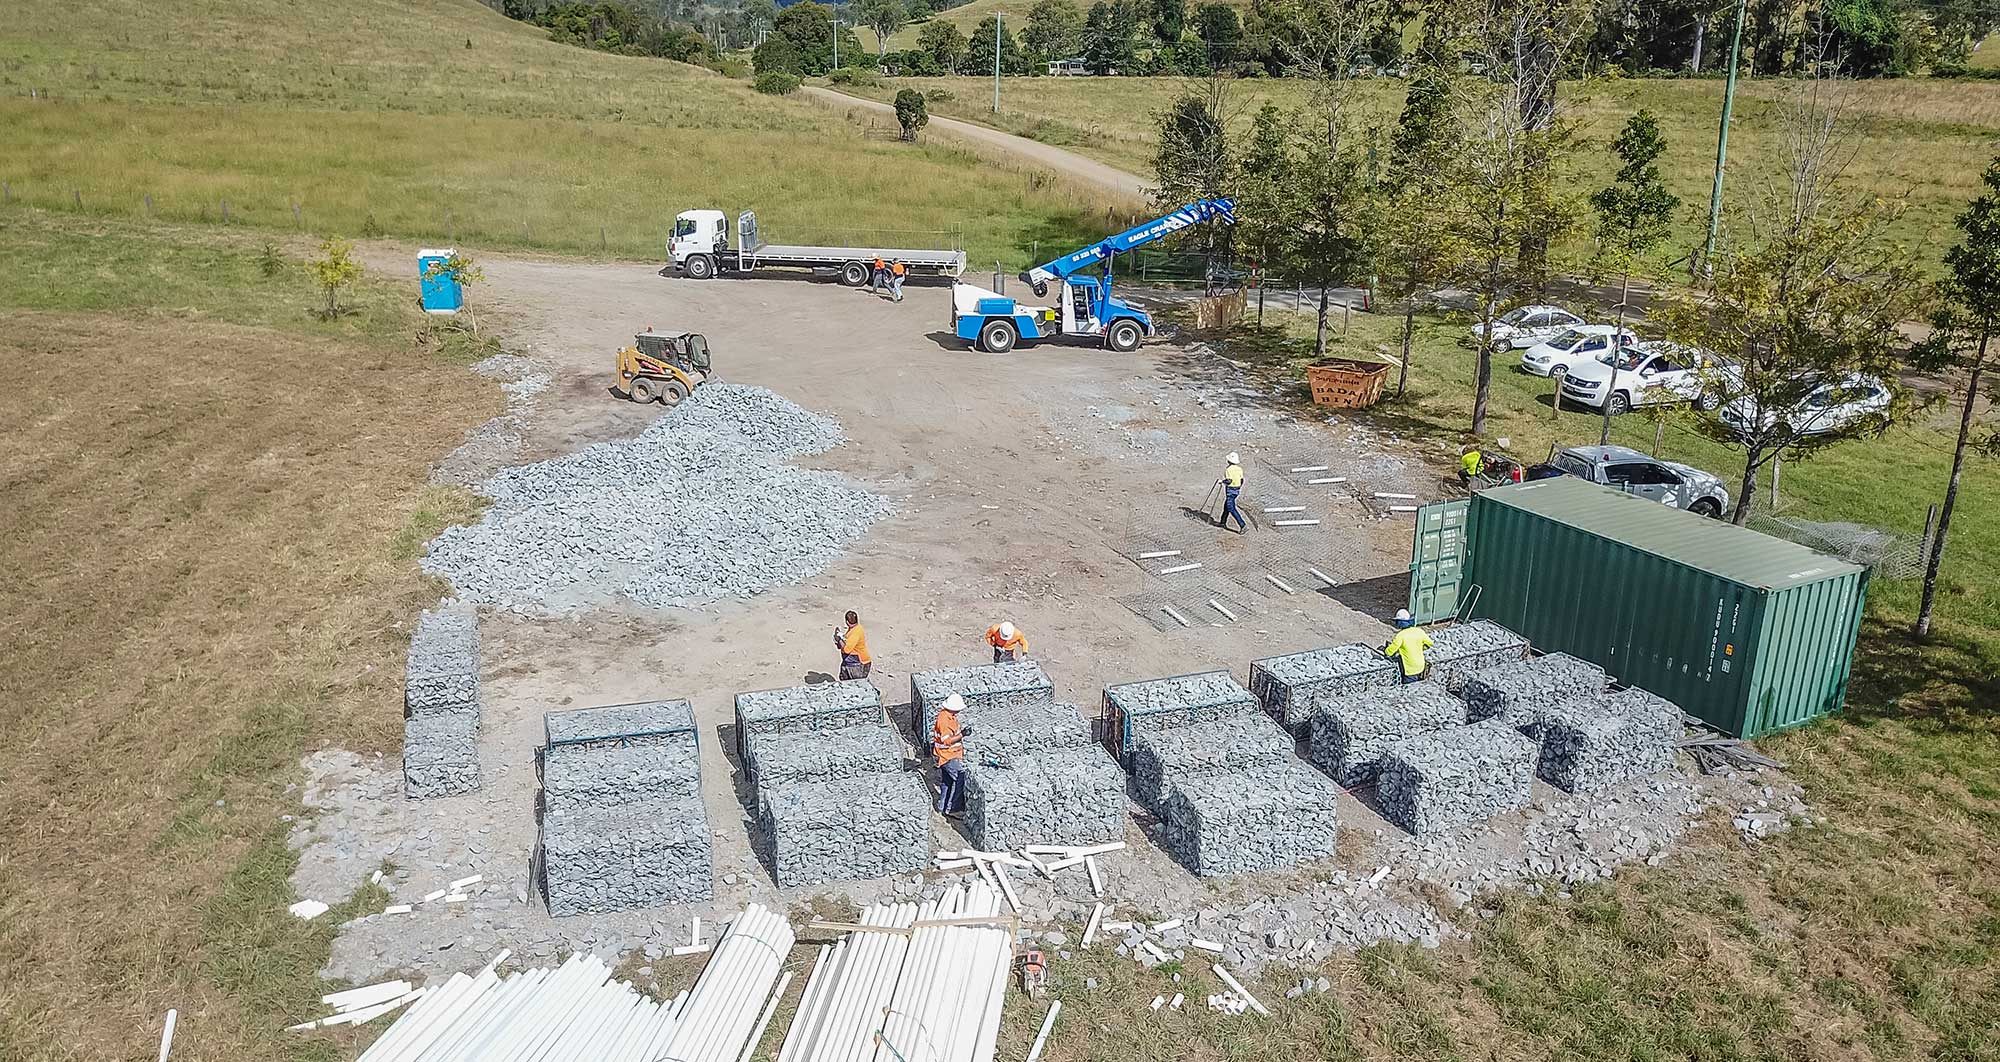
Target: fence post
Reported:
point(225, 211)
point(149, 204)
point(1777, 466)
point(450, 227)
point(298, 218)
point(7, 191)
point(1930, 528)
point(602, 246)
point(78, 193)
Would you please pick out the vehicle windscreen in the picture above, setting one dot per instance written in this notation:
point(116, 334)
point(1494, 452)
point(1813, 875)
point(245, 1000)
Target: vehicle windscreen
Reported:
point(1568, 340)
point(683, 226)
point(1514, 317)
point(1575, 466)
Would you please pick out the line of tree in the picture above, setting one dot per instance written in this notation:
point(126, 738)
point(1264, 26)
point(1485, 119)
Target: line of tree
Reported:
point(610, 26)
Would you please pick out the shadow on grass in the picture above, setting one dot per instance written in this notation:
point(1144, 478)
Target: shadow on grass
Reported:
point(1948, 681)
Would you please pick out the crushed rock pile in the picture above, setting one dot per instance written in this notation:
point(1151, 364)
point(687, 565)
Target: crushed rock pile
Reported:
point(699, 507)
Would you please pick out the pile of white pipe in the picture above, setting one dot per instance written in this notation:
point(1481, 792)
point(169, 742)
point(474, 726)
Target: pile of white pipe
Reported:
point(576, 1013)
point(921, 984)
point(572, 1012)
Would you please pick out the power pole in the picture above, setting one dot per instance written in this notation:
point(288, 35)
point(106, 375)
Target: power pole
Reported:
point(834, 25)
point(996, 62)
point(1722, 141)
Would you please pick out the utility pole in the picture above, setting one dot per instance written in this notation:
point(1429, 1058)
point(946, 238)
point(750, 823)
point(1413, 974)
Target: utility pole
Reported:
point(834, 25)
point(996, 62)
point(1722, 142)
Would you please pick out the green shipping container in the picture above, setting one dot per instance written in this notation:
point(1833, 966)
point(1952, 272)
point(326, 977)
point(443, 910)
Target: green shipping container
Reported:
point(1750, 633)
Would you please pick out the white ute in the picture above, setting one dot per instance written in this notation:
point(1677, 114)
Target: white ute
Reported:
point(1583, 343)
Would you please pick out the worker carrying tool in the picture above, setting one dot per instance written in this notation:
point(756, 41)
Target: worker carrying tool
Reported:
point(948, 747)
point(852, 642)
point(898, 272)
point(1408, 647)
point(1009, 644)
point(1232, 485)
point(878, 276)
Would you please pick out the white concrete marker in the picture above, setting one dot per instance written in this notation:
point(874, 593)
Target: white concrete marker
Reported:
point(396, 908)
point(692, 949)
point(460, 884)
point(1402, 508)
point(1323, 577)
point(1295, 523)
point(1280, 583)
point(1212, 603)
point(1090, 931)
point(1284, 508)
point(1376, 878)
point(694, 930)
point(1176, 1004)
point(435, 897)
point(1007, 888)
point(307, 909)
point(1153, 951)
point(365, 996)
point(1163, 926)
point(1387, 494)
point(167, 1034)
point(1311, 468)
point(1116, 927)
point(375, 878)
point(1178, 618)
point(1206, 945)
point(456, 897)
point(1180, 568)
point(1099, 849)
point(1158, 553)
point(1328, 479)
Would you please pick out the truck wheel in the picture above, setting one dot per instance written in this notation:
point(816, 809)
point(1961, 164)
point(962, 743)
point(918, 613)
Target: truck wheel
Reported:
point(1123, 337)
point(1708, 507)
point(854, 274)
point(997, 337)
point(642, 390)
point(700, 266)
point(1621, 404)
point(674, 392)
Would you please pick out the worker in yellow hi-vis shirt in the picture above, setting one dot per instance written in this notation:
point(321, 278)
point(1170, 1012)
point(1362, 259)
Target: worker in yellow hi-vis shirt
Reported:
point(1408, 647)
point(1232, 485)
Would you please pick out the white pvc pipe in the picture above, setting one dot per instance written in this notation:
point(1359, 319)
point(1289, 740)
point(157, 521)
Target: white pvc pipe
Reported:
point(1042, 1038)
point(757, 1032)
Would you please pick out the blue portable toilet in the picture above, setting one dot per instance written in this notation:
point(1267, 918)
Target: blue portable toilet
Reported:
point(441, 293)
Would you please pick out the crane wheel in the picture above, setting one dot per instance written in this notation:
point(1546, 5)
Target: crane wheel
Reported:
point(642, 390)
point(997, 337)
point(1123, 337)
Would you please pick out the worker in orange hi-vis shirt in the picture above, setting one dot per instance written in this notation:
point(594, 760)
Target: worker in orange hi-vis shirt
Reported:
point(855, 663)
point(948, 746)
point(1009, 644)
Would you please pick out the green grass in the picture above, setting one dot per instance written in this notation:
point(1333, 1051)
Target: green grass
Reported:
point(376, 118)
point(1930, 139)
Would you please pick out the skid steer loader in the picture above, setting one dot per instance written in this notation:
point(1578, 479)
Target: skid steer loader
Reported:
point(662, 368)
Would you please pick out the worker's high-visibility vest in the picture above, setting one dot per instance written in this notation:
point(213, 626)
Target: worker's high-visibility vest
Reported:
point(898, 268)
point(947, 738)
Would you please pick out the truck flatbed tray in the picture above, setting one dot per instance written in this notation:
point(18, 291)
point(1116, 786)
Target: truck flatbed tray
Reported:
point(913, 256)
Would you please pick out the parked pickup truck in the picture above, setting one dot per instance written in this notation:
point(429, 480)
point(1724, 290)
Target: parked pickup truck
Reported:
point(1649, 374)
point(1623, 468)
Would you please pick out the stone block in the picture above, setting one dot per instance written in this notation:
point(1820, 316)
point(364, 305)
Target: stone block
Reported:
point(1177, 701)
point(1351, 732)
point(998, 733)
point(788, 757)
point(441, 673)
point(597, 860)
point(1587, 747)
point(1464, 648)
point(1261, 818)
point(980, 686)
point(869, 826)
point(1516, 692)
point(817, 706)
point(1059, 796)
point(440, 755)
point(1164, 755)
point(1285, 685)
point(1446, 779)
point(620, 754)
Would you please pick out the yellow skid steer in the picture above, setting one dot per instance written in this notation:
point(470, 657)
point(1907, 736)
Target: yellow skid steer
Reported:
point(662, 368)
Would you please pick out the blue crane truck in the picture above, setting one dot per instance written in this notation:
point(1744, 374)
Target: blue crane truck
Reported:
point(1086, 309)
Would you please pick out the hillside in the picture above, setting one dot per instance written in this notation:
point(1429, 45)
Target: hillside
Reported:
point(441, 119)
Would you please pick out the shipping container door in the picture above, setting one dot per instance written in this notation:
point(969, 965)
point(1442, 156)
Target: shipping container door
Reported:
point(1437, 560)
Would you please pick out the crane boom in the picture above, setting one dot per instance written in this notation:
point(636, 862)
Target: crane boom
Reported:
point(1138, 235)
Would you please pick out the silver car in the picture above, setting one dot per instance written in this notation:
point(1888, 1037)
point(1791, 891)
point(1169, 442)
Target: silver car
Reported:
point(1623, 468)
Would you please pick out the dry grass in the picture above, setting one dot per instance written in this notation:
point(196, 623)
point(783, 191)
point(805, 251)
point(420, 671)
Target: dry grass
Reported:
point(200, 528)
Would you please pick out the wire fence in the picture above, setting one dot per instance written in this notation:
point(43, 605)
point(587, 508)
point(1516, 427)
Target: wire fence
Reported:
point(1887, 554)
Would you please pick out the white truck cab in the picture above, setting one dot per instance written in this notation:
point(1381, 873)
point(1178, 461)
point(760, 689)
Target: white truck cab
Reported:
point(697, 232)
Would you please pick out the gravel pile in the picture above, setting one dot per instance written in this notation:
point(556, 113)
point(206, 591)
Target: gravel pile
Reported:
point(1165, 755)
point(1653, 714)
point(623, 824)
point(1288, 685)
point(1177, 701)
point(1350, 733)
point(1058, 796)
point(1516, 693)
point(596, 860)
point(1001, 733)
point(1451, 778)
point(792, 756)
point(1275, 815)
point(980, 686)
point(620, 754)
point(1586, 747)
point(819, 706)
point(870, 826)
point(441, 705)
point(1464, 648)
point(699, 507)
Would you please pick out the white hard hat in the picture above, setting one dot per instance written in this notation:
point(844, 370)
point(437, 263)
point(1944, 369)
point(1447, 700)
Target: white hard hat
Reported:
point(953, 703)
point(1233, 459)
point(1006, 629)
point(1402, 614)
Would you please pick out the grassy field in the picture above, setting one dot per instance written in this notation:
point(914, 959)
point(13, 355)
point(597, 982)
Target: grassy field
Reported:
point(1929, 138)
point(441, 120)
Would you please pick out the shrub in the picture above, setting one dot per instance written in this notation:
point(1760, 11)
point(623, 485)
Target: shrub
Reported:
point(939, 96)
point(848, 75)
point(773, 83)
point(777, 55)
point(911, 113)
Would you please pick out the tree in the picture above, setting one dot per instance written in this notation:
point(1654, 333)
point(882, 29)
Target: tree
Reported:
point(1808, 301)
point(1193, 160)
point(333, 270)
point(1633, 213)
point(809, 26)
point(1966, 320)
point(911, 112)
point(1107, 37)
point(1221, 33)
point(945, 43)
point(1263, 196)
point(466, 272)
point(777, 55)
point(1417, 244)
point(979, 50)
point(884, 17)
point(1054, 30)
point(1169, 19)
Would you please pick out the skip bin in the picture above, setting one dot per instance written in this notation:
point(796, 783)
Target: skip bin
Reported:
point(438, 292)
point(1346, 384)
point(1747, 632)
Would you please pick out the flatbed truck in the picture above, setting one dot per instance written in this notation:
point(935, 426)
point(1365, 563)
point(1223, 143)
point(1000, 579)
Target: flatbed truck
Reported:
point(701, 248)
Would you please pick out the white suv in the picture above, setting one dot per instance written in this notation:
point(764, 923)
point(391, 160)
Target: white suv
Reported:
point(1573, 347)
point(1525, 326)
point(1650, 374)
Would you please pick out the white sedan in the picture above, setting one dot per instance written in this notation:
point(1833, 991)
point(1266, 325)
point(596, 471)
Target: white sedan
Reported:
point(1649, 374)
point(1831, 406)
point(1575, 346)
point(1524, 326)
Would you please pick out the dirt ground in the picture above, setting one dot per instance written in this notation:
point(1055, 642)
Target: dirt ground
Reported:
point(1025, 485)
